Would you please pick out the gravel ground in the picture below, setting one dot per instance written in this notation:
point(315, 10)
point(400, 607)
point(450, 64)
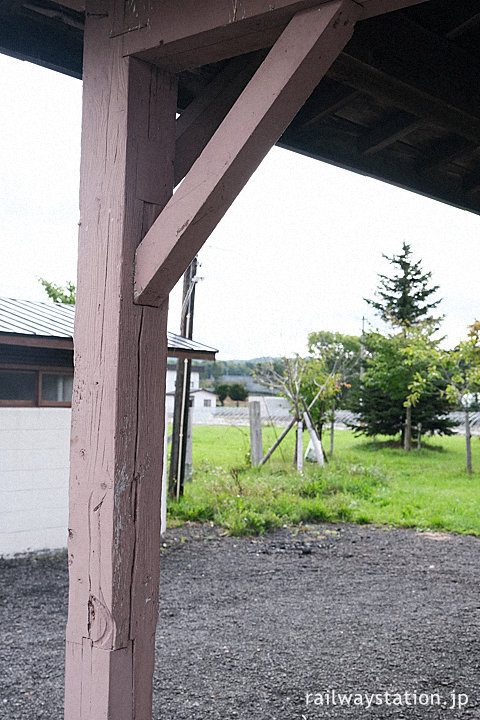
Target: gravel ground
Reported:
point(253, 628)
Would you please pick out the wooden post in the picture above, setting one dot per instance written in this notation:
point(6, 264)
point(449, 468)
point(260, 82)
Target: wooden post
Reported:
point(181, 410)
point(332, 430)
point(256, 444)
point(189, 451)
point(419, 436)
point(468, 440)
point(163, 499)
point(299, 446)
point(128, 136)
point(407, 440)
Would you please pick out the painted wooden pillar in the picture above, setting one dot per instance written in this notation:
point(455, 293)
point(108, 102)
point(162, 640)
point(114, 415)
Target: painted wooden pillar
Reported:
point(128, 139)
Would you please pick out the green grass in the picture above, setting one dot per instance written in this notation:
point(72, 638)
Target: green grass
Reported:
point(365, 482)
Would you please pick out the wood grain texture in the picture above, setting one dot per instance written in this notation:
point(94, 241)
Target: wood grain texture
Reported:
point(256, 444)
point(119, 389)
point(198, 122)
point(196, 32)
point(292, 69)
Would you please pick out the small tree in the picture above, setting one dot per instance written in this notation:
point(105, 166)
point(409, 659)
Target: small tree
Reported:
point(323, 384)
point(222, 390)
point(402, 385)
point(59, 294)
point(464, 365)
point(292, 378)
point(238, 392)
point(339, 355)
point(424, 359)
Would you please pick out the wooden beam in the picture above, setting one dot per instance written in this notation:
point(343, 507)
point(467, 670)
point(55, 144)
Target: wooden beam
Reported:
point(196, 355)
point(415, 55)
point(321, 105)
point(201, 118)
point(372, 8)
point(443, 152)
point(56, 343)
point(394, 128)
point(397, 170)
point(36, 341)
point(128, 138)
point(470, 24)
point(292, 69)
point(399, 94)
point(196, 32)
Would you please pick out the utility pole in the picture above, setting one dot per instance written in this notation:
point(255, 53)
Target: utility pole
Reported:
point(362, 349)
point(182, 389)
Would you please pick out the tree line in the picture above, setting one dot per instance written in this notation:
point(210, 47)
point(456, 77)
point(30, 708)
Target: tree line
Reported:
point(399, 382)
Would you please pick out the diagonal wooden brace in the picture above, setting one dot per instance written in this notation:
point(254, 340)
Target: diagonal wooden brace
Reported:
point(293, 68)
point(198, 122)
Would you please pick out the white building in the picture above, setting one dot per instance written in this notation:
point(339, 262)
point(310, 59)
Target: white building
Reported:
point(36, 379)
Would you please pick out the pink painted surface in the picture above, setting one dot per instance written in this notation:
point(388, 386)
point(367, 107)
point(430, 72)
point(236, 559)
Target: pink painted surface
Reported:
point(292, 69)
point(198, 122)
point(120, 362)
point(196, 32)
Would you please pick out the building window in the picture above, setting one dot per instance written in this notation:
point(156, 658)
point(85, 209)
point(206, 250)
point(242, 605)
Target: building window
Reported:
point(56, 388)
point(207, 403)
point(33, 388)
point(18, 388)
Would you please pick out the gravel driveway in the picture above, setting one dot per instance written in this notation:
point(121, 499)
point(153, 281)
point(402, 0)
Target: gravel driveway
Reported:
point(334, 622)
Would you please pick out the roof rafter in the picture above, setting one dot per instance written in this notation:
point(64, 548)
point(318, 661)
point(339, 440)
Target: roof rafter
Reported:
point(404, 96)
point(397, 126)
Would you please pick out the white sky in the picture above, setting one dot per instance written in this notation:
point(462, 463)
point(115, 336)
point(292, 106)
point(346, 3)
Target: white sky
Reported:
point(297, 252)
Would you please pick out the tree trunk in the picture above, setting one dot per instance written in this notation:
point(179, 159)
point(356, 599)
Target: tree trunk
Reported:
point(408, 430)
point(468, 441)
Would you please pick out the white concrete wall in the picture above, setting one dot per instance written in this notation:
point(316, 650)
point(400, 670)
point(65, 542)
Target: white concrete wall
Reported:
point(34, 467)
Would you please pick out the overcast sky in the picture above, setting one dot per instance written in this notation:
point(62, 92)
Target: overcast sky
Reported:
point(297, 252)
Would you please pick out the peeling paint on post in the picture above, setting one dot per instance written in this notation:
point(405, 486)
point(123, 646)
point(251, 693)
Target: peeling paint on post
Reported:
point(120, 363)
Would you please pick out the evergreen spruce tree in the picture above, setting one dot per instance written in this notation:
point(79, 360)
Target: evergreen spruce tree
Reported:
point(404, 301)
point(406, 297)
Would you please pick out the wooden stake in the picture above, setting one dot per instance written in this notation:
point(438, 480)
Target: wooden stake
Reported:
point(468, 441)
point(277, 442)
point(332, 430)
point(419, 436)
point(256, 445)
point(299, 446)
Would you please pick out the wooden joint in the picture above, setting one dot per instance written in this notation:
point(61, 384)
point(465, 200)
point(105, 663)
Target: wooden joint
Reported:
point(290, 72)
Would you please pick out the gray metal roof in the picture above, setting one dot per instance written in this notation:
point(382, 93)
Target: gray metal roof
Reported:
point(26, 317)
point(48, 319)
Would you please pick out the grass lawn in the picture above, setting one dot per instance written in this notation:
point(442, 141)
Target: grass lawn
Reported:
point(365, 482)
